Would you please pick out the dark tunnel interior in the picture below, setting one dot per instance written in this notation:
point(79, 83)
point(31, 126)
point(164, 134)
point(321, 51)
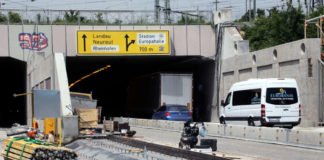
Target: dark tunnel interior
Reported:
point(13, 80)
point(109, 87)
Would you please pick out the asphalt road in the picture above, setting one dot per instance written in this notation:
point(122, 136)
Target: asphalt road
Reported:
point(236, 149)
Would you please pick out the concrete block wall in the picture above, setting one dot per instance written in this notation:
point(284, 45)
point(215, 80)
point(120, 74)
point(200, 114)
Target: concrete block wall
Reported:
point(215, 129)
point(273, 134)
point(310, 137)
point(251, 133)
point(306, 137)
point(298, 59)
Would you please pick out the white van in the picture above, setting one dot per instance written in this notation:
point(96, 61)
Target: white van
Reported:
point(265, 102)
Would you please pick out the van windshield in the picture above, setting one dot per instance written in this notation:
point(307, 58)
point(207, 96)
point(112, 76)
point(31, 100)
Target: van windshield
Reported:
point(281, 96)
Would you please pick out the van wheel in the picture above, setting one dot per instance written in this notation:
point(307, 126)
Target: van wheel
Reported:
point(222, 120)
point(251, 121)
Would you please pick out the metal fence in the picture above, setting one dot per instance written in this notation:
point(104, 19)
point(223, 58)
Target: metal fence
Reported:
point(104, 17)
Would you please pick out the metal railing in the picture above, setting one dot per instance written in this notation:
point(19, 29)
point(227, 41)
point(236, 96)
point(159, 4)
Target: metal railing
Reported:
point(102, 17)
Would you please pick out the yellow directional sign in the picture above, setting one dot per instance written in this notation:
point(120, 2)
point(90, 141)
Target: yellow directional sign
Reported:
point(123, 42)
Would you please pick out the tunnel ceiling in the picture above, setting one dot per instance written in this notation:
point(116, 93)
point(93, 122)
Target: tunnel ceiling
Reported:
point(127, 67)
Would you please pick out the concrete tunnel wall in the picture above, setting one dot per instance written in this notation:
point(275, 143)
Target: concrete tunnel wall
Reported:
point(18, 42)
point(297, 60)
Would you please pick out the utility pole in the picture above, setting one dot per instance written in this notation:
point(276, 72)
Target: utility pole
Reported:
point(246, 6)
point(254, 9)
point(250, 10)
point(306, 7)
point(216, 7)
point(167, 12)
point(157, 11)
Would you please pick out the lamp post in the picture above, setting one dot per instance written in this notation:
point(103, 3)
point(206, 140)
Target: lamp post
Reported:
point(27, 8)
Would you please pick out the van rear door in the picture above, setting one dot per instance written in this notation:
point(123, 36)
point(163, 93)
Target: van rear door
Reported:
point(282, 102)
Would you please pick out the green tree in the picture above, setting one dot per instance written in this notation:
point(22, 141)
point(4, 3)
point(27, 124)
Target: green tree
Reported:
point(311, 28)
point(3, 18)
point(14, 17)
point(279, 27)
point(118, 22)
point(245, 17)
point(38, 17)
point(141, 21)
point(188, 20)
point(99, 17)
point(72, 16)
point(58, 20)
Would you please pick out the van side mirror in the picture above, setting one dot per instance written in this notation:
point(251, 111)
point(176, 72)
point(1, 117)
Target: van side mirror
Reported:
point(222, 103)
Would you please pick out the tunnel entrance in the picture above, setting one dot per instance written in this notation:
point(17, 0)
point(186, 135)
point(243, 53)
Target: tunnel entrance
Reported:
point(13, 80)
point(109, 87)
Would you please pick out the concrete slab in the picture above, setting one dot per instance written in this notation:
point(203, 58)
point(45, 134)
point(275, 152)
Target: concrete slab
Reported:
point(252, 132)
point(150, 123)
point(235, 131)
point(138, 122)
point(273, 134)
point(306, 137)
point(163, 124)
point(298, 136)
point(131, 121)
point(215, 129)
point(178, 126)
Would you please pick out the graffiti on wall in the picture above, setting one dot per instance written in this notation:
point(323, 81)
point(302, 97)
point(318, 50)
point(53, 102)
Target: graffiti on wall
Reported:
point(35, 41)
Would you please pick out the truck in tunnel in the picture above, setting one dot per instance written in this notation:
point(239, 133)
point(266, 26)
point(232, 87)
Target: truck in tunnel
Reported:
point(147, 93)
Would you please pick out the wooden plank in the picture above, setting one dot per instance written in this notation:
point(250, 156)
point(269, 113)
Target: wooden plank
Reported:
point(90, 124)
point(17, 147)
point(31, 147)
point(18, 152)
point(14, 156)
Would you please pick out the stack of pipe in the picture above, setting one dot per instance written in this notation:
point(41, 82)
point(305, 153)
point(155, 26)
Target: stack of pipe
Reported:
point(25, 149)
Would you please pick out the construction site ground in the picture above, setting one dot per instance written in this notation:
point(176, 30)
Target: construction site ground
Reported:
point(90, 147)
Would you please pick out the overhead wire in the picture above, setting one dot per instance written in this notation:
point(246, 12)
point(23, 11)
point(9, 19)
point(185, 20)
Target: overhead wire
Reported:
point(76, 4)
point(238, 6)
point(21, 3)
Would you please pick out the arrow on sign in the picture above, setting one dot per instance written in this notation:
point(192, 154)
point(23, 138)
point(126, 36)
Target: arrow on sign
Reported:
point(128, 44)
point(84, 37)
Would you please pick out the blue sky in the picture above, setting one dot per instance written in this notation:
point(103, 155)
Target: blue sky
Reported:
point(238, 6)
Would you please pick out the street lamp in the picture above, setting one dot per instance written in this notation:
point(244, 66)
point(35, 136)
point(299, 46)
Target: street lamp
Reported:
point(27, 7)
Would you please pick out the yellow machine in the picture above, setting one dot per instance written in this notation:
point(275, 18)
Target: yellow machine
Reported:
point(49, 125)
